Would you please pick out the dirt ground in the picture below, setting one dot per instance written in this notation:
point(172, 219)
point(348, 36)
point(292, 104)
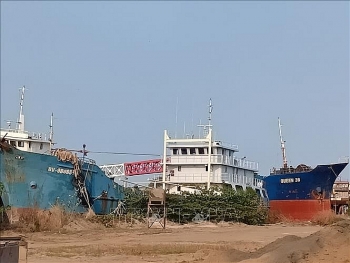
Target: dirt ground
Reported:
point(205, 242)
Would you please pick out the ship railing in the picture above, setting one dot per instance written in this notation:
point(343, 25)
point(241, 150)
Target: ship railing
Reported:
point(189, 178)
point(241, 180)
point(39, 136)
point(189, 159)
point(288, 170)
point(14, 130)
point(216, 178)
point(33, 135)
point(236, 179)
point(86, 160)
point(215, 159)
point(235, 162)
point(226, 145)
point(243, 163)
point(273, 170)
point(195, 178)
point(258, 183)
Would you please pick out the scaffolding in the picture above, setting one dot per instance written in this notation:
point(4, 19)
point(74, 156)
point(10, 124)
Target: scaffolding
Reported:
point(156, 210)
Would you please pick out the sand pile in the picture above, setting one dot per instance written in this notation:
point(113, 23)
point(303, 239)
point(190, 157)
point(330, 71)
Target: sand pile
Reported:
point(331, 245)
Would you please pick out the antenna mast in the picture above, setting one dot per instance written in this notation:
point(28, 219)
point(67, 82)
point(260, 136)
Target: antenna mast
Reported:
point(210, 111)
point(51, 130)
point(210, 144)
point(21, 115)
point(205, 126)
point(285, 164)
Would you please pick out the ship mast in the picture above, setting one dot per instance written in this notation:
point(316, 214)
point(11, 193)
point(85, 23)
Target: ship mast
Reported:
point(283, 148)
point(210, 144)
point(20, 121)
point(51, 131)
point(210, 111)
point(209, 137)
point(209, 125)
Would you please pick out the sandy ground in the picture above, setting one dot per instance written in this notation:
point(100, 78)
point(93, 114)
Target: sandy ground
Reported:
point(205, 242)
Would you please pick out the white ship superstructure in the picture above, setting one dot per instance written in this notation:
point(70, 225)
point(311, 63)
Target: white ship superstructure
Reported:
point(191, 162)
point(22, 139)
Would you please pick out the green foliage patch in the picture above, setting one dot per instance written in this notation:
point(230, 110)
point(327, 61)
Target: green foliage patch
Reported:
point(214, 205)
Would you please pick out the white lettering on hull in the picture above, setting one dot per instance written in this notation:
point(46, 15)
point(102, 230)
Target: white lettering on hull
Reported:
point(59, 170)
point(290, 180)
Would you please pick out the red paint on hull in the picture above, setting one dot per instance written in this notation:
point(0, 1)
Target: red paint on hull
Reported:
point(303, 210)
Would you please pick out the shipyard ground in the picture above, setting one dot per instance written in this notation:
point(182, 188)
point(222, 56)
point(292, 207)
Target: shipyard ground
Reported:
point(205, 242)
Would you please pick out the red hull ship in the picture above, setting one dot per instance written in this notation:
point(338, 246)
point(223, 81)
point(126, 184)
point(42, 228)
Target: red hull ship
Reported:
point(301, 193)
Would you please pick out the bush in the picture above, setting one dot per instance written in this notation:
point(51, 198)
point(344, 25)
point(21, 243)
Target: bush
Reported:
point(324, 218)
point(215, 205)
point(43, 220)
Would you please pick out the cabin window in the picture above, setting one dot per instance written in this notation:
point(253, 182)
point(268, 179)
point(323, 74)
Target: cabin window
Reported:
point(211, 151)
point(183, 151)
point(229, 153)
point(223, 151)
point(200, 150)
point(219, 150)
point(20, 144)
point(175, 151)
point(41, 146)
point(225, 169)
point(29, 144)
point(206, 167)
point(13, 143)
point(192, 150)
point(179, 168)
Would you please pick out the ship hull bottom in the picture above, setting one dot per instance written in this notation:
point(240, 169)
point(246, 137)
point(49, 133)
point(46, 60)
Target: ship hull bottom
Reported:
point(303, 210)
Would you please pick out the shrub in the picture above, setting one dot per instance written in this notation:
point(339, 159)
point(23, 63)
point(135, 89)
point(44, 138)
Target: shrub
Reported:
point(44, 220)
point(215, 205)
point(324, 218)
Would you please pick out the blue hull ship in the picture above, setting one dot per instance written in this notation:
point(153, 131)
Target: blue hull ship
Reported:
point(35, 175)
point(299, 194)
point(302, 192)
point(33, 180)
point(313, 184)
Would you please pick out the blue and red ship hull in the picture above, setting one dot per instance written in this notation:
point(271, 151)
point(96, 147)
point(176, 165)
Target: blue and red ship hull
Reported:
point(302, 195)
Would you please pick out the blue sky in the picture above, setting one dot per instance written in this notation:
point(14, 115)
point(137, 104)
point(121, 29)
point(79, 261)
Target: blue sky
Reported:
point(114, 73)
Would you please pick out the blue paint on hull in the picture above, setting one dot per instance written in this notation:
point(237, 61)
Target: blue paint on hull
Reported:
point(41, 181)
point(314, 184)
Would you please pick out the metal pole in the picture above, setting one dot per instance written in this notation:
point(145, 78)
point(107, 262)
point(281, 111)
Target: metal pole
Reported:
point(164, 157)
point(51, 131)
point(209, 158)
